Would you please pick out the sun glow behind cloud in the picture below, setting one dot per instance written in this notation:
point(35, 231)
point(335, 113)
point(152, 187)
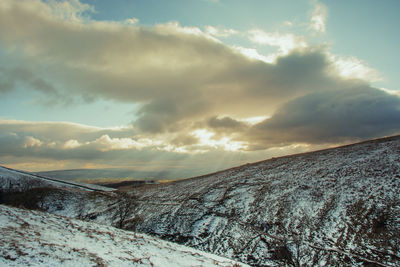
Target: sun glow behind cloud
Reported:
point(255, 120)
point(206, 140)
point(252, 53)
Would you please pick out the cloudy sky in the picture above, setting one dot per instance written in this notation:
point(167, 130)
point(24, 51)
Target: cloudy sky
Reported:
point(192, 85)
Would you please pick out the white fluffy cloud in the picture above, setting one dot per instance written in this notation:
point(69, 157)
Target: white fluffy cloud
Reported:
point(252, 53)
point(32, 142)
point(318, 18)
point(285, 42)
point(354, 68)
point(220, 32)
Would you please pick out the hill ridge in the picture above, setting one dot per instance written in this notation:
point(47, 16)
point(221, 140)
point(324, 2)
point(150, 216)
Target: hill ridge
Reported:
point(381, 139)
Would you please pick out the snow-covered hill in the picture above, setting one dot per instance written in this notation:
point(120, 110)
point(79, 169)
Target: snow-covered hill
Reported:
point(14, 180)
point(32, 238)
point(337, 207)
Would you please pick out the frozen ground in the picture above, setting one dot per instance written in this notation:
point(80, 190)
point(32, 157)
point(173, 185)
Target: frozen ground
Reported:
point(32, 238)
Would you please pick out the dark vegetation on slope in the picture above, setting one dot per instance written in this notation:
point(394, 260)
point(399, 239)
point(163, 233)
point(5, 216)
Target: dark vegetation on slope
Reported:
point(127, 184)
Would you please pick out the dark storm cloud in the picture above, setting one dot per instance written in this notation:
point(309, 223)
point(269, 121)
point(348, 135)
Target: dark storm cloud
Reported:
point(331, 117)
point(225, 122)
point(184, 140)
point(9, 78)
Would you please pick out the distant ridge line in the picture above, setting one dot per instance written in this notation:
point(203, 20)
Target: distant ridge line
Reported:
point(57, 181)
point(375, 140)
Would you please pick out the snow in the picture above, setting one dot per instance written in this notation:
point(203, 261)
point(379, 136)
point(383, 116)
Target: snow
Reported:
point(32, 238)
point(327, 199)
point(16, 180)
point(326, 205)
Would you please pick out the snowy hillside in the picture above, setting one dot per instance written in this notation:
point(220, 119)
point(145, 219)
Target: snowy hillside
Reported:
point(15, 180)
point(336, 207)
point(333, 207)
point(32, 238)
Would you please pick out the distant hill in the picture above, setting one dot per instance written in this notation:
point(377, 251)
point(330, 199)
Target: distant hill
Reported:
point(111, 174)
point(15, 180)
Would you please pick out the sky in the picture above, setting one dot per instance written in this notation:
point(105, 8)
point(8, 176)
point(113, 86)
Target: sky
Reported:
point(192, 86)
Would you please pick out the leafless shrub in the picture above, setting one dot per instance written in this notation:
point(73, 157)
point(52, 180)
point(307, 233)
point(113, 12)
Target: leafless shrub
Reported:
point(30, 199)
point(124, 208)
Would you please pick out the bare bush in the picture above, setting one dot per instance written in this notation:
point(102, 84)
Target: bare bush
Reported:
point(124, 208)
point(30, 199)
